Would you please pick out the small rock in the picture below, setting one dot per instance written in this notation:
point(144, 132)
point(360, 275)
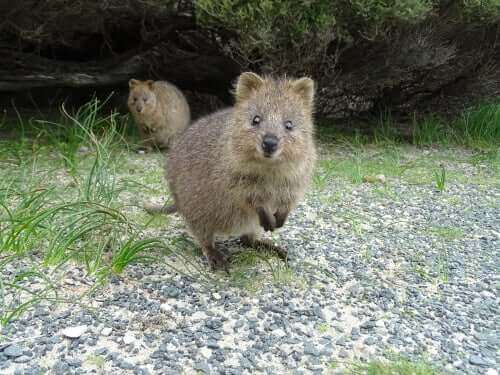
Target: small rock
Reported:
point(13, 351)
point(279, 333)
point(100, 351)
point(165, 307)
point(212, 344)
point(216, 296)
point(311, 349)
point(22, 359)
point(343, 354)
point(341, 341)
point(369, 341)
point(479, 361)
point(125, 365)
point(369, 324)
point(74, 332)
point(128, 338)
point(83, 149)
point(205, 352)
point(74, 362)
point(106, 331)
point(202, 366)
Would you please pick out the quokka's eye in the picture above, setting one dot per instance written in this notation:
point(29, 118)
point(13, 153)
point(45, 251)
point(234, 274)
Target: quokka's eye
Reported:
point(288, 125)
point(256, 121)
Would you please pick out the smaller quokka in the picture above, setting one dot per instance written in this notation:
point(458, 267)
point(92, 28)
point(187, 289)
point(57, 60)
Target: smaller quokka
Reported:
point(160, 111)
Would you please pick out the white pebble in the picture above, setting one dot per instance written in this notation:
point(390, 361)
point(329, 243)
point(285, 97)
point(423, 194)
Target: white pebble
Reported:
point(106, 331)
point(216, 296)
point(74, 332)
point(205, 352)
point(128, 338)
point(165, 307)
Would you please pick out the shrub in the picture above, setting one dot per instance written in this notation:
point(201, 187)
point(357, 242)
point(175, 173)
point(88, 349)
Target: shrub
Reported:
point(299, 35)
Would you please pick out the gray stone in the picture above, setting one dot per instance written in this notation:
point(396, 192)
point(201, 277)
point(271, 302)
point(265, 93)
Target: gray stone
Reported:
point(74, 362)
point(22, 359)
point(125, 365)
point(310, 349)
point(369, 340)
point(341, 341)
point(369, 324)
point(202, 366)
point(480, 361)
point(141, 371)
point(100, 351)
point(13, 351)
point(343, 353)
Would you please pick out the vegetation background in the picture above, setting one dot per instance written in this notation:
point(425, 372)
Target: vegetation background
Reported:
point(368, 56)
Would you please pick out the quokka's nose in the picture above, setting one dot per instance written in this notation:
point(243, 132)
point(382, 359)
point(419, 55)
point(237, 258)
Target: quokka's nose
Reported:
point(269, 144)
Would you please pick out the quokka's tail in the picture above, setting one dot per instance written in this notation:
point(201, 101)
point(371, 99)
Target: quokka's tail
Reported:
point(155, 209)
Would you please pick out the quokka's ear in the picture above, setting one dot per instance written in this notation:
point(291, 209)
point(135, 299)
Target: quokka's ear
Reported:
point(133, 82)
point(150, 83)
point(304, 87)
point(247, 83)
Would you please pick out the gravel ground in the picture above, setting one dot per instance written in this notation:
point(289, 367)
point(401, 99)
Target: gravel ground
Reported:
point(373, 272)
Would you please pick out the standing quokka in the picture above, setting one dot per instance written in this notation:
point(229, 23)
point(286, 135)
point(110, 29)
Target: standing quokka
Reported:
point(245, 167)
point(160, 111)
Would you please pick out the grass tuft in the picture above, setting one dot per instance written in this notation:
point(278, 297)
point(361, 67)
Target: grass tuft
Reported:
point(62, 202)
point(440, 178)
point(397, 367)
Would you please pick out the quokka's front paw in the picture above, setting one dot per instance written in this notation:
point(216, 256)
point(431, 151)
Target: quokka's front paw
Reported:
point(267, 221)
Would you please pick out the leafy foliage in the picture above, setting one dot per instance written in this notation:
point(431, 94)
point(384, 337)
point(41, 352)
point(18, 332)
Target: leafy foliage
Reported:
point(279, 33)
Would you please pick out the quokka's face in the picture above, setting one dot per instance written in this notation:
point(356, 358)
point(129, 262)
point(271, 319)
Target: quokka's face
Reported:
point(273, 118)
point(141, 99)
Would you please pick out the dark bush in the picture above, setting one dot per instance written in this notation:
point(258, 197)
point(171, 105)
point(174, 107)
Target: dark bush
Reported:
point(366, 55)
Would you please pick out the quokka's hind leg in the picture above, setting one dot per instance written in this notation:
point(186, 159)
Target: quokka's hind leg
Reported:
point(251, 240)
point(215, 258)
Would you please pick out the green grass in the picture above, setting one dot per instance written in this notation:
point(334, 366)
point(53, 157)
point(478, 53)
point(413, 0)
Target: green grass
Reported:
point(478, 128)
point(397, 367)
point(440, 178)
point(60, 206)
point(447, 233)
point(251, 269)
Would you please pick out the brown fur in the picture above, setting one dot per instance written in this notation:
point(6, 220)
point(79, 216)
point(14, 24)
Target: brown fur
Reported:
point(160, 111)
point(222, 183)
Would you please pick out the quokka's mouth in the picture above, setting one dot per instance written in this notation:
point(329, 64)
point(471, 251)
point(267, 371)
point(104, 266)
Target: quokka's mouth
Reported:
point(270, 156)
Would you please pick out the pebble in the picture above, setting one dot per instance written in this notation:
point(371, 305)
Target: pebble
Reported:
point(128, 338)
point(106, 331)
point(22, 359)
point(370, 340)
point(13, 351)
point(74, 332)
point(479, 361)
point(343, 353)
point(310, 349)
